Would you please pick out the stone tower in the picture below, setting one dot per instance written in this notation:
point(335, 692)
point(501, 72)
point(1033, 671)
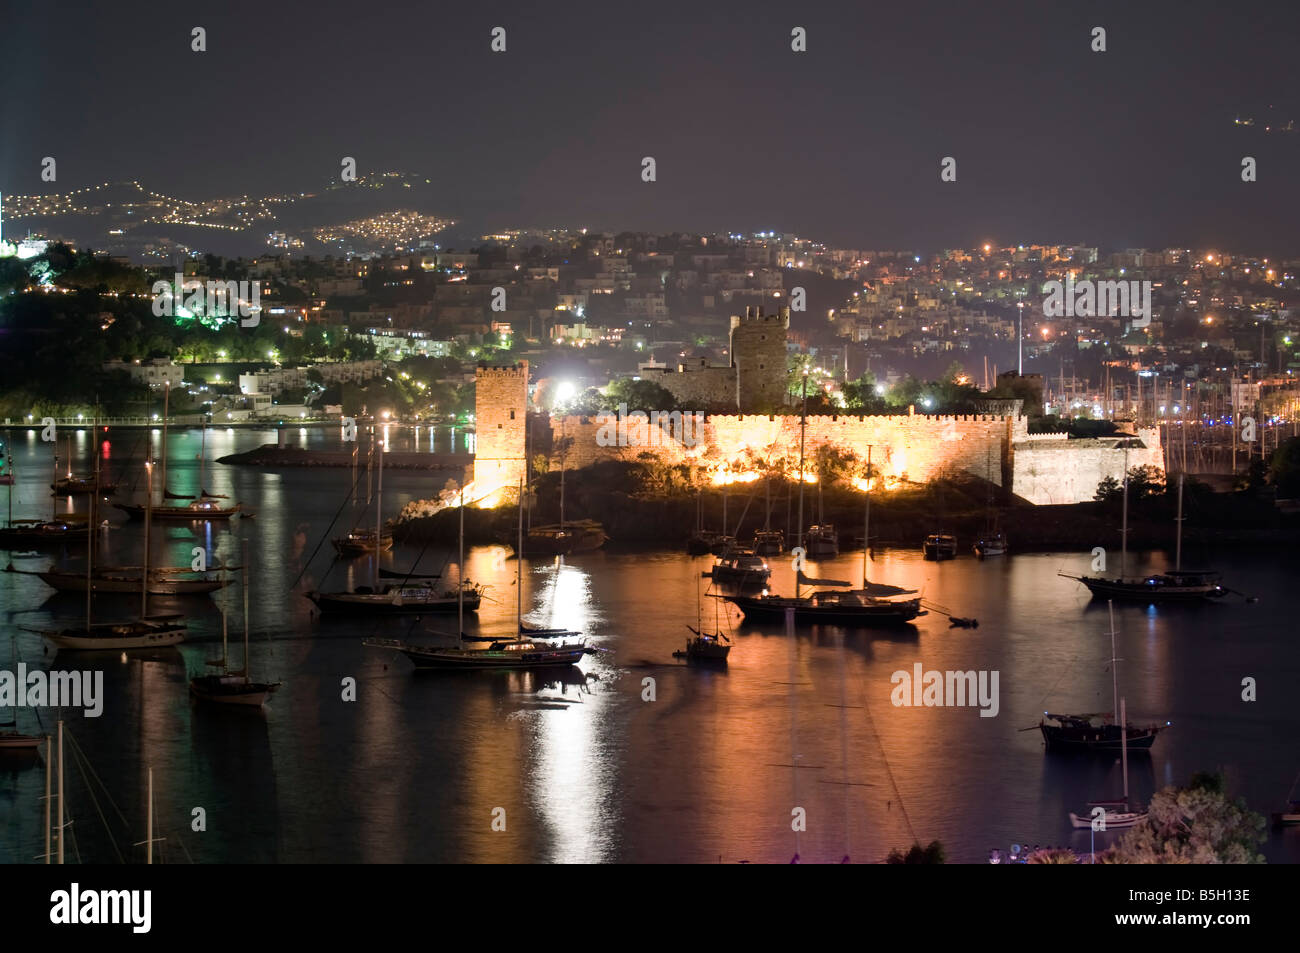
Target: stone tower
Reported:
point(758, 356)
point(500, 420)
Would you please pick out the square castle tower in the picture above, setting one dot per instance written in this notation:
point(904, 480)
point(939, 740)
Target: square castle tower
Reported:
point(758, 358)
point(500, 421)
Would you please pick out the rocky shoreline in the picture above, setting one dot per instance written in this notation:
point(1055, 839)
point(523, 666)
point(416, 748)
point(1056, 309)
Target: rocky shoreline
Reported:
point(900, 519)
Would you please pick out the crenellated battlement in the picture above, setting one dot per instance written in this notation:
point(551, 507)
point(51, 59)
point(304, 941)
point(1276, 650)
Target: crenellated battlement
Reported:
point(514, 371)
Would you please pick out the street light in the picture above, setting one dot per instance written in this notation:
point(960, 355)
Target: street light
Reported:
point(1020, 340)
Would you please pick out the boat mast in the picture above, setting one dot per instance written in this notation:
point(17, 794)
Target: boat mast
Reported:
point(803, 426)
point(167, 391)
point(60, 838)
point(243, 558)
point(562, 469)
point(91, 526)
point(1123, 533)
point(379, 504)
point(519, 558)
point(225, 598)
point(1114, 677)
point(203, 453)
point(49, 764)
point(1178, 546)
point(148, 513)
point(866, 523)
point(1123, 743)
point(148, 824)
point(460, 572)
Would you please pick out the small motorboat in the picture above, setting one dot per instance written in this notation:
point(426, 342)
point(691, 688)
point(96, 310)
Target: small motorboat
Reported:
point(939, 546)
point(740, 567)
point(701, 543)
point(769, 542)
point(361, 543)
point(80, 486)
point(821, 541)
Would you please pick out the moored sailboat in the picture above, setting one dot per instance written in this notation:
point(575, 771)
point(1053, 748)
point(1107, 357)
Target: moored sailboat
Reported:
point(233, 687)
point(1122, 816)
point(510, 653)
point(206, 506)
point(1100, 731)
point(1176, 585)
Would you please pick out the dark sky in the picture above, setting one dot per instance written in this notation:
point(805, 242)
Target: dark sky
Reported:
point(1054, 143)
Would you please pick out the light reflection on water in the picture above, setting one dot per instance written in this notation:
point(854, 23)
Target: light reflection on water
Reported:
point(587, 770)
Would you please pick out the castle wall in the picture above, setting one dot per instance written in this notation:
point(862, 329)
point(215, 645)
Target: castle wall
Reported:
point(703, 387)
point(1048, 468)
point(906, 447)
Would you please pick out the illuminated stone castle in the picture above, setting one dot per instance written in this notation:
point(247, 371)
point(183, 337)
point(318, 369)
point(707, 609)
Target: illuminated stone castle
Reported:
point(906, 448)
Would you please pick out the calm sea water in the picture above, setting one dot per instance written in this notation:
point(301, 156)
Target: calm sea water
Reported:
point(584, 768)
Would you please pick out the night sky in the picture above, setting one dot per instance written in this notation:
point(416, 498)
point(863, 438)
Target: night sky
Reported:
point(1054, 143)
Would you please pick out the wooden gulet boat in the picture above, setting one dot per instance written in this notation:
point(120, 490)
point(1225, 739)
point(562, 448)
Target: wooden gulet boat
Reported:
point(872, 606)
point(1098, 732)
point(180, 581)
point(1178, 585)
point(515, 653)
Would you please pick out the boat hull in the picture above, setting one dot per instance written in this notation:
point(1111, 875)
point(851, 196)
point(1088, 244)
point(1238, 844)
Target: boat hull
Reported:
point(1115, 820)
point(14, 741)
point(772, 609)
point(117, 637)
point(179, 513)
point(158, 586)
point(485, 658)
point(230, 690)
point(352, 546)
point(353, 603)
point(1104, 738)
point(43, 534)
point(1146, 593)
